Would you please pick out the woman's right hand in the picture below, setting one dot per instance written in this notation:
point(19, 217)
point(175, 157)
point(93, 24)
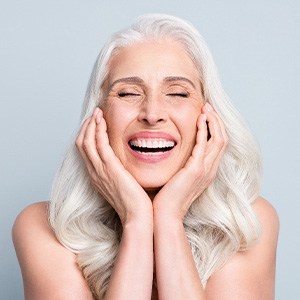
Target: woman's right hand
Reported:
point(108, 174)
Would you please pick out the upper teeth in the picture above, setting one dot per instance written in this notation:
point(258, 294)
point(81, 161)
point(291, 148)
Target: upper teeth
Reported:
point(152, 143)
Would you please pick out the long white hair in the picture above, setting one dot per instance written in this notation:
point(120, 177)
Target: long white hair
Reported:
point(218, 224)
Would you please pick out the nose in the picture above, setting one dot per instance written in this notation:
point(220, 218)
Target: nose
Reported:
point(152, 112)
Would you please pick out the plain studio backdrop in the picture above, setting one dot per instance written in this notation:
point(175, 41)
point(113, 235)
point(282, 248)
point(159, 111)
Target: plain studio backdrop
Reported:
point(47, 52)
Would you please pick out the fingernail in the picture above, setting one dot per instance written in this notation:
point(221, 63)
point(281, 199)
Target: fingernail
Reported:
point(204, 117)
point(98, 117)
point(96, 111)
point(206, 108)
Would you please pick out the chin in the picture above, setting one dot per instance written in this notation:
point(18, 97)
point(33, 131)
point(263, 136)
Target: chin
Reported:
point(152, 177)
point(152, 184)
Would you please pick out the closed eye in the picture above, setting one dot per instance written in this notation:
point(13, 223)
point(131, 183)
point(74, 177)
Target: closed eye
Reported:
point(183, 95)
point(123, 94)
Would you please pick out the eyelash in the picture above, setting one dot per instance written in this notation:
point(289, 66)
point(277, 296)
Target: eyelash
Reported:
point(183, 95)
point(124, 94)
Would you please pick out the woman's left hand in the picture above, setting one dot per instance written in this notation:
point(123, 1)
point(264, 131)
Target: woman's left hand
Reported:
point(175, 198)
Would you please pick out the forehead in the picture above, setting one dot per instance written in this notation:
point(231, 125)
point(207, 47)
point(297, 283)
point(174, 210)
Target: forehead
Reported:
point(152, 60)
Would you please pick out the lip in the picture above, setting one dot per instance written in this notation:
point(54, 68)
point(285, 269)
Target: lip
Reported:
point(151, 158)
point(152, 134)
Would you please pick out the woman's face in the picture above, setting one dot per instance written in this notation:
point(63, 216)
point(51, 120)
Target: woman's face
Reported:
point(153, 101)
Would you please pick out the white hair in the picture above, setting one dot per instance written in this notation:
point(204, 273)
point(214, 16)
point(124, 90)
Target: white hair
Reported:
point(218, 224)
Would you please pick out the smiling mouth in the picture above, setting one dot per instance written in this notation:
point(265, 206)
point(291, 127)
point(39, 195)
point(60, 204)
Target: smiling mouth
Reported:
point(151, 145)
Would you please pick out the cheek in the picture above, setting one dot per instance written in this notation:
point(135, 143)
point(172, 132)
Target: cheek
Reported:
point(117, 118)
point(187, 126)
point(187, 121)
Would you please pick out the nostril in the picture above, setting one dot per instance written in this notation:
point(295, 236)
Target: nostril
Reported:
point(153, 118)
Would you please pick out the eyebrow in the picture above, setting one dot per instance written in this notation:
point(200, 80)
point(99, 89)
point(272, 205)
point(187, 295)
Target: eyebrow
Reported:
point(133, 79)
point(138, 80)
point(179, 78)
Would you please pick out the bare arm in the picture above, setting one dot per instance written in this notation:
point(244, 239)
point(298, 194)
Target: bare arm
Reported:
point(133, 271)
point(50, 271)
point(132, 274)
point(176, 272)
point(248, 275)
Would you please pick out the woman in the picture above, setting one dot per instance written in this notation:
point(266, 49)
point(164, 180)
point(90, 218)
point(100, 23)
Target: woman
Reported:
point(158, 195)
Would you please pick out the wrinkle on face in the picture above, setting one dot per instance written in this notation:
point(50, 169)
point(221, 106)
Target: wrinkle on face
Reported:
point(157, 77)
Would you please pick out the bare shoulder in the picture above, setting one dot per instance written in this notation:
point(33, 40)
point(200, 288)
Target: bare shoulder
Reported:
point(269, 221)
point(251, 274)
point(31, 225)
point(265, 211)
point(49, 270)
point(34, 213)
point(266, 214)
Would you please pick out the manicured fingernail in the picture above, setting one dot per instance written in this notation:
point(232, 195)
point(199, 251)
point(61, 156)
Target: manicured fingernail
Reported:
point(96, 111)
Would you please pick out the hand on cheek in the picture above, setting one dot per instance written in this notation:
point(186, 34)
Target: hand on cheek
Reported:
point(107, 173)
point(175, 198)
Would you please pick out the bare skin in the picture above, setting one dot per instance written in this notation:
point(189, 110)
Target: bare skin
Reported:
point(248, 275)
point(152, 91)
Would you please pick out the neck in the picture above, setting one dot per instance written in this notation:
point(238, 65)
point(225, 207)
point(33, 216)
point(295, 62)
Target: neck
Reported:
point(152, 192)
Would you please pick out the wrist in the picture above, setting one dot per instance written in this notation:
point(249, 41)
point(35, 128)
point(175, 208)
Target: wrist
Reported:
point(138, 214)
point(167, 214)
point(140, 223)
point(167, 220)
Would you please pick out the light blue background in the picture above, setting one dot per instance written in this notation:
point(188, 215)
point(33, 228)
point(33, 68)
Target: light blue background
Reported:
point(47, 52)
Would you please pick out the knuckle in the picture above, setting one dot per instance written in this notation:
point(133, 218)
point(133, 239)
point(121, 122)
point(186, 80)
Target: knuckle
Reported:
point(98, 144)
point(93, 180)
point(89, 171)
point(78, 142)
point(85, 145)
point(220, 142)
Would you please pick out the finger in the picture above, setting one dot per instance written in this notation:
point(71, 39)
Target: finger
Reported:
point(217, 143)
point(89, 142)
point(79, 144)
point(201, 138)
point(82, 130)
point(216, 163)
point(84, 125)
point(102, 141)
point(223, 131)
point(222, 127)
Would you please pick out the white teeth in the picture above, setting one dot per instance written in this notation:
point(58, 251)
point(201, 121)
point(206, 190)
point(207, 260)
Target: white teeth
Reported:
point(149, 144)
point(144, 143)
point(152, 143)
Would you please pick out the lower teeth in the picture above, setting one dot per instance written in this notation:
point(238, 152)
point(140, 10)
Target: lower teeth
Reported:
point(150, 150)
point(151, 153)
